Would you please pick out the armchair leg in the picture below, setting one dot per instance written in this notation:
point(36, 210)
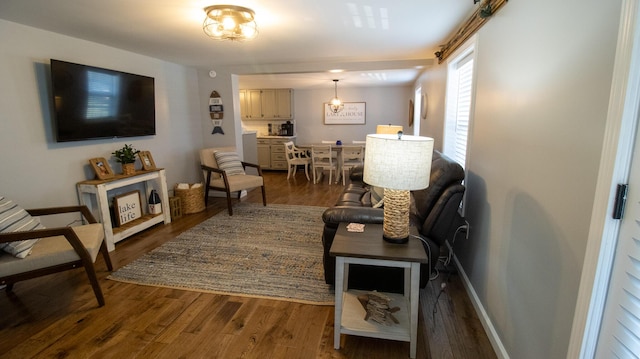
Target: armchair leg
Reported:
point(106, 256)
point(264, 197)
point(91, 273)
point(229, 203)
point(206, 188)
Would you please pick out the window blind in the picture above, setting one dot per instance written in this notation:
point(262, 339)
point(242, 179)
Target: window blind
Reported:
point(459, 97)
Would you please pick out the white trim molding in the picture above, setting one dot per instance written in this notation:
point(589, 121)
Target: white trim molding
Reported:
point(487, 324)
point(615, 163)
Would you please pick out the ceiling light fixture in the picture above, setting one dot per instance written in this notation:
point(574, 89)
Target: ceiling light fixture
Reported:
point(336, 105)
point(230, 22)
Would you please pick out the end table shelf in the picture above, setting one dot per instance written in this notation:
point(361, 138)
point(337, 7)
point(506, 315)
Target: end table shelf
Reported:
point(353, 314)
point(92, 192)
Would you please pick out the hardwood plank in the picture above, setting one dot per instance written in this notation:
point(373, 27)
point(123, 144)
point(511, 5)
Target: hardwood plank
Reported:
point(57, 315)
point(184, 319)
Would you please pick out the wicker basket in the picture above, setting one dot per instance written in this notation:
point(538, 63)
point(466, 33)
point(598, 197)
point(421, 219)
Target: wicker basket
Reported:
point(191, 199)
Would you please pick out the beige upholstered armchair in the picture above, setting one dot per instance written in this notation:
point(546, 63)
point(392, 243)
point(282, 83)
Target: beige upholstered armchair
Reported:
point(223, 171)
point(30, 250)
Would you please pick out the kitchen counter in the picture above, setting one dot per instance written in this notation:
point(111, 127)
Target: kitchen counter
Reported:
point(285, 137)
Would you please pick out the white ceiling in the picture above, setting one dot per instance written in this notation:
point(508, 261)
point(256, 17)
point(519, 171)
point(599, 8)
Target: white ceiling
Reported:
point(376, 42)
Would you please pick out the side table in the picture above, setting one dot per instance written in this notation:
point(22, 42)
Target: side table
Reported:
point(369, 248)
point(92, 192)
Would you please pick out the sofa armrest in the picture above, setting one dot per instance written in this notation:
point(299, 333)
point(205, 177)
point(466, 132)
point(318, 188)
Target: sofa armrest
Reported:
point(348, 214)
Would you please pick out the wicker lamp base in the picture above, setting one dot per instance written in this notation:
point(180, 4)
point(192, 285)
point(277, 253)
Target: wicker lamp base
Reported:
point(396, 216)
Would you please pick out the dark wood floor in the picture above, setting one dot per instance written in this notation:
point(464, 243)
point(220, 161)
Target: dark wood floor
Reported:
point(57, 316)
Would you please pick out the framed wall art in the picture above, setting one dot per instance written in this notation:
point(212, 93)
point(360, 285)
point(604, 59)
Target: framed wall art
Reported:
point(353, 113)
point(127, 207)
point(101, 168)
point(424, 105)
point(146, 160)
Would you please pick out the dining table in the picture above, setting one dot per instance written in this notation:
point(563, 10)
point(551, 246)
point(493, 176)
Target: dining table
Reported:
point(334, 147)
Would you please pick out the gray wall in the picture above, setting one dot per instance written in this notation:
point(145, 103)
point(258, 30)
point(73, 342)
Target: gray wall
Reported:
point(37, 171)
point(544, 73)
point(384, 105)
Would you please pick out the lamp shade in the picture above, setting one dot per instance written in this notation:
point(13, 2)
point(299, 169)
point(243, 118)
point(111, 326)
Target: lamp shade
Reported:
point(388, 129)
point(399, 164)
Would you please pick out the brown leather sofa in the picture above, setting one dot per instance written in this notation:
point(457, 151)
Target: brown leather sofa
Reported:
point(433, 217)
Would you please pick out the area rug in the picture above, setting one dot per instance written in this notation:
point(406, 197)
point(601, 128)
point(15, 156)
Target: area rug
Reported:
point(270, 252)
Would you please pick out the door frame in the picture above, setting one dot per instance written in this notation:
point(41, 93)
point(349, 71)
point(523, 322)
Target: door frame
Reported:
point(615, 162)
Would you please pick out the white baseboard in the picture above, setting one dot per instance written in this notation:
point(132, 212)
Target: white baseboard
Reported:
point(496, 343)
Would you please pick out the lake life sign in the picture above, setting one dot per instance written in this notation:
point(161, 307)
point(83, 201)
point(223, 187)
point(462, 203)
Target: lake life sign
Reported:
point(127, 207)
point(353, 113)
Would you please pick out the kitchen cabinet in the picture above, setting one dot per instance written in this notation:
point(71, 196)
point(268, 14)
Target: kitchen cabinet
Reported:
point(271, 152)
point(278, 156)
point(243, 104)
point(266, 104)
point(264, 154)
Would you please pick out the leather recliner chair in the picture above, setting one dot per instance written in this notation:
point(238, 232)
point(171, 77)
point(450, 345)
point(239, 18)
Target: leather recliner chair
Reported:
point(433, 216)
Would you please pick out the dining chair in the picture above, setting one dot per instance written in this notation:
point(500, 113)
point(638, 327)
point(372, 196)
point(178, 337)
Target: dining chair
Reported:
point(333, 152)
point(295, 157)
point(322, 158)
point(350, 157)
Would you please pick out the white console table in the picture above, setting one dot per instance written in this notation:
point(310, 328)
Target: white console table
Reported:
point(95, 192)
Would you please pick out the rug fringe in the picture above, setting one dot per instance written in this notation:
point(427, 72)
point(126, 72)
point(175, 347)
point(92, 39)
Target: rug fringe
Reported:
point(301, 301)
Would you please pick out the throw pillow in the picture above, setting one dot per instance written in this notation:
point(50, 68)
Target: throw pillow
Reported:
point(15, 219)
point(377, 197)
point(229, 162)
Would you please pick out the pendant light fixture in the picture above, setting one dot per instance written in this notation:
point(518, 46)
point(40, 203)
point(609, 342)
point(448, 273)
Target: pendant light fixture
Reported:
point(336, 105)
point(230, 22)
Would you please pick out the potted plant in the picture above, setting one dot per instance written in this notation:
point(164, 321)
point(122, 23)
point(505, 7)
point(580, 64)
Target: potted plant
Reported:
point(126, 156)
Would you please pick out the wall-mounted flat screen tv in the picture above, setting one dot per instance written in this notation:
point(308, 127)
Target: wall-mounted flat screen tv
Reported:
point(92, 102)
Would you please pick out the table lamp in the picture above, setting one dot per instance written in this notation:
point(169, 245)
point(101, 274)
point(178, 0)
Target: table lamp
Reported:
point(399, 164)
point(388, 129)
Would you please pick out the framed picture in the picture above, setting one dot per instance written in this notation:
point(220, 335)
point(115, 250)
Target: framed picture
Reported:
point(410, 112)
point(101, 168)
point(127, 207)
point(424, 104)
point(146, 160)
point(353, 113)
